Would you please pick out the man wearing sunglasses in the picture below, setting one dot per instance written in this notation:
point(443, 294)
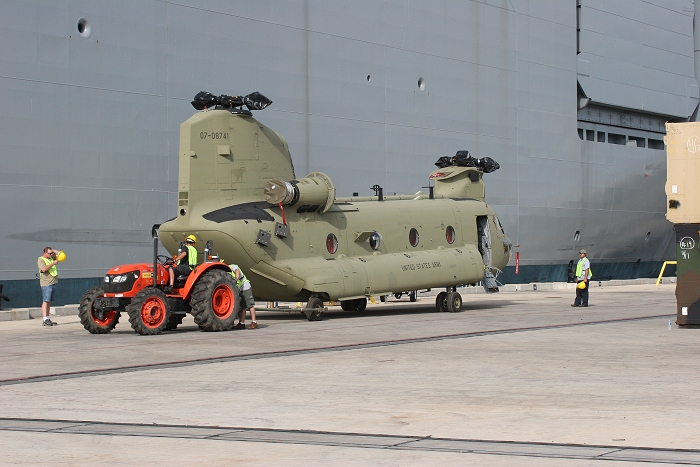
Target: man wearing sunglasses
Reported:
point(48, 278)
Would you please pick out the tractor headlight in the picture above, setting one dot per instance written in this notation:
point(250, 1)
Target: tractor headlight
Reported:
point(119, 279)
point(106, 281)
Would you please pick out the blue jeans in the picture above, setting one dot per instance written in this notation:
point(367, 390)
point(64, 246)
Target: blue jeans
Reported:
point(47, 292)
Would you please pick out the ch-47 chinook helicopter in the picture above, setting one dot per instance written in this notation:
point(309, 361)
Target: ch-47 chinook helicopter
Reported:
point(293, 238)
point(297, 241)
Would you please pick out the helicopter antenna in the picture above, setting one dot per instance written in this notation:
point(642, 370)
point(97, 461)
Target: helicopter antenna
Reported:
point(378, 191)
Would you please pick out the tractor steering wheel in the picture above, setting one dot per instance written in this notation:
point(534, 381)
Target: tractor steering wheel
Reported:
point(166, 260)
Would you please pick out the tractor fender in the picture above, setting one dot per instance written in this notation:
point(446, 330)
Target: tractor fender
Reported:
point(198, 271)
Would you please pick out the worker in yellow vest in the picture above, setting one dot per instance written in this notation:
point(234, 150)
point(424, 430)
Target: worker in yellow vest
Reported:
point(583, 275)
point(48, 279)
point(247, 295)
point(185, 261)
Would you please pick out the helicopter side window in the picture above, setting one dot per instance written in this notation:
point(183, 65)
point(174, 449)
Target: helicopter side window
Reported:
point(375, 240)
point(331, 243)
point(413, 237)
point(450, 234)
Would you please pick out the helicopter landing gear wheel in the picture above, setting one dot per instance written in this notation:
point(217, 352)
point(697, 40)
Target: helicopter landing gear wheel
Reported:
point(454, 302)
point(92, 320)
point(315, 302)
point(413, 295)
point(356, 304)
point(441, 302)
point(148, 312)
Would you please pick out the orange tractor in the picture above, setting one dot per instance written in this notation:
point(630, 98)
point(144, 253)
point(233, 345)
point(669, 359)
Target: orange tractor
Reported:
point(209, 293)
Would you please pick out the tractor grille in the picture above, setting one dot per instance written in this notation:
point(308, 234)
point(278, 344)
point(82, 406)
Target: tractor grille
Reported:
point(113, 283)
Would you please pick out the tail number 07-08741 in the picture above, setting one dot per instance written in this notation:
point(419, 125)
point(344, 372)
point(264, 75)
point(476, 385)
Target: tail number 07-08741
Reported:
point(212, 135)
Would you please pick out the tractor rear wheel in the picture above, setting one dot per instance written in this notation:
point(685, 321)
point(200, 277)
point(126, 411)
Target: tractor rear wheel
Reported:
point(215, 301)
point(148, 312)
point(94, 322)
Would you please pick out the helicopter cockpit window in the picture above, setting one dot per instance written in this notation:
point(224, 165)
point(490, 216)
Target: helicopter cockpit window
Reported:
point(498, 224)
point(450, 234)
point(375, 240)
point(413, 237)
point(331, 243)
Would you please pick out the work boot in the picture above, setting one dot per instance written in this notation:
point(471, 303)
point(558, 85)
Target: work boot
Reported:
point(253, 325)
point(239, 326)
point(168, 289)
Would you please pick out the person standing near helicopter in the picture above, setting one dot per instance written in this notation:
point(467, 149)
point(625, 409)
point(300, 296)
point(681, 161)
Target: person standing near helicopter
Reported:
point(48, 279)
point(247, 295)
point(583, 274)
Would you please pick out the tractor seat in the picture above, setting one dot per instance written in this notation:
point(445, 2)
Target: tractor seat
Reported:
point(180, 280)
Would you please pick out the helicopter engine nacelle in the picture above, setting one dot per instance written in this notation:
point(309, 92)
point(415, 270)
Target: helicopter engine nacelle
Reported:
point(315, 192)
point(459, 182)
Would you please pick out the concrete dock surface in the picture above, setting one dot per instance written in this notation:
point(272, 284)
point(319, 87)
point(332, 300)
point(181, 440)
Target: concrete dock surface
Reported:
point(515, 378)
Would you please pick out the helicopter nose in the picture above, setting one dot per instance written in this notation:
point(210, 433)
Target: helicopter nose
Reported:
point(507, 250)
point(507, 246)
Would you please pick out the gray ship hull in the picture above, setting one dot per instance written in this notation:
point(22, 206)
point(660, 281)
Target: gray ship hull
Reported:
point(92, 96)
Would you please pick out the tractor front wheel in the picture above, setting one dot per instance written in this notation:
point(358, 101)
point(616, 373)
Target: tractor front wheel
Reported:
point(215, 301)
point(148, 312)
point(93, 321)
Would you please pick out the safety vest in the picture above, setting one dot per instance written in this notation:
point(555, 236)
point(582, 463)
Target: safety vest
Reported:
point(52, 270)
point(191, 256)
point(579, 269)
point(242, 280)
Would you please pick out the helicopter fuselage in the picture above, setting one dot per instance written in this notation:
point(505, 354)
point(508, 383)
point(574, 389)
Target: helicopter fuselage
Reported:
point(295, 239)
